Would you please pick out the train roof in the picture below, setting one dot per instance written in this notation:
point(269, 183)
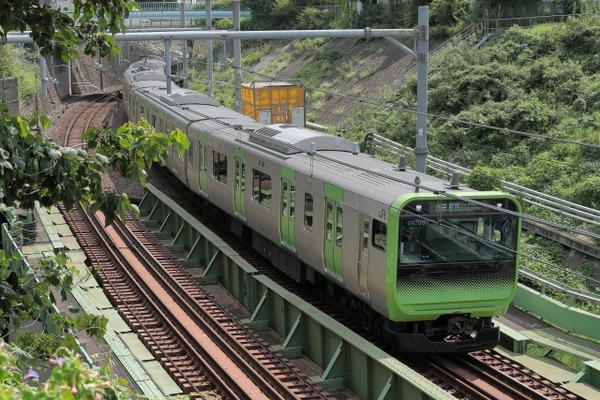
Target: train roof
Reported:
point(147, 70)
point(326, 157)
point(369, 176)
point(188, 97)
point(290, 139)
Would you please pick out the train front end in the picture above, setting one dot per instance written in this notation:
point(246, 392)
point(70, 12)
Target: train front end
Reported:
point(452, 265)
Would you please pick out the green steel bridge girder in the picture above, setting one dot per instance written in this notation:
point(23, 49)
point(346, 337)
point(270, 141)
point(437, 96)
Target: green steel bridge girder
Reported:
point(198, 246)
point(344, 357)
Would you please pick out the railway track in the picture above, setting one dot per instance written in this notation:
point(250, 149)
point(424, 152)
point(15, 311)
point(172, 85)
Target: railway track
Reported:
point(487, 375)
point(91, 112)
point(201, 345)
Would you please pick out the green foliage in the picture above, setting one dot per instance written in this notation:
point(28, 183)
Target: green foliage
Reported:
point(69, 378)
point(57, 33)
point(309, 45)
point(484, 178)
point(283, 14)
point(132, 150)
point(448, 13)
point(587, 192)
point(509, 8)
point(350, 70)
point(10, 56)
point(313, 18)
point(535, 81)
point(41, 346)
point(540, 255)
point(16, 62)
point(258, 52)
point(223, 24)
point(27, 295)
point(36, 169)
point(261, 11)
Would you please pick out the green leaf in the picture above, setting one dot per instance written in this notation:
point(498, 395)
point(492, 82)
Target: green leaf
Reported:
point(125, 143)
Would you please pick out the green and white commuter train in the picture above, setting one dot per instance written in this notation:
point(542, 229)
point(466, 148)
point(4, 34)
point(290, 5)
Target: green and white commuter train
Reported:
point(426, 265)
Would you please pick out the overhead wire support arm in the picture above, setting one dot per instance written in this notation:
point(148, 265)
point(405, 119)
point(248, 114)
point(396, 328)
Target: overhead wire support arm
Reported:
point(402, 47)
point(191, 34)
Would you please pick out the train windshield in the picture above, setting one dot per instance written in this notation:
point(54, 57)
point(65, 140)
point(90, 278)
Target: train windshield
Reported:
point(462, 233)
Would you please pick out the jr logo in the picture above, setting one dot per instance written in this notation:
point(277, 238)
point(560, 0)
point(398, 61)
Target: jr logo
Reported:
point(383, 213)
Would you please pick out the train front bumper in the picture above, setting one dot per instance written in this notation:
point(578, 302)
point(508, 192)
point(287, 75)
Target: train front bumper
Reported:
point(418, 343)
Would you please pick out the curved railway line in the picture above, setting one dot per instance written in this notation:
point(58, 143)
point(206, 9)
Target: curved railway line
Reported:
point(170, 328)
point(89, 114)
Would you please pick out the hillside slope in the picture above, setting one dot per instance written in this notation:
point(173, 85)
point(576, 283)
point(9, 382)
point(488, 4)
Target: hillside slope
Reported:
point(362, 72)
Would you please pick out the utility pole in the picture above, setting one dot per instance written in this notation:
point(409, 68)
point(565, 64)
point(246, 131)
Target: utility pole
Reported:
point(184, 66)
point(237, 57)
point(209, 50)
point(421, 149)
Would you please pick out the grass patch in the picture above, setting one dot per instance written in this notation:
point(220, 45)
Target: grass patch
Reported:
point(319, 68)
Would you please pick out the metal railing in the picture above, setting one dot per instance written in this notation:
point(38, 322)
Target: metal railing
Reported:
point(176, 6)
point(499, 24)
point(570, 293)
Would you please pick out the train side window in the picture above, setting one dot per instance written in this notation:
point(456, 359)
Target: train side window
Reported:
point(338, 226)
point(365, 238)
point(329, 219)
point(201, 157)
point(180, 155)
point(292, 202)
point(190, 152)
point(284, 185)
point(379, 234)
point(240, 175)
point(308, 211)
point(261, 188)
point(220, 167)
point(167, 131)
point(285, 196)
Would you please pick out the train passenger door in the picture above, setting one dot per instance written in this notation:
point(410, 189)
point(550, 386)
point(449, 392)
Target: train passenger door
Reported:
point(240, 183)
point(288, 193)
point(333, 230)
point(363, 257)
point(202, 164)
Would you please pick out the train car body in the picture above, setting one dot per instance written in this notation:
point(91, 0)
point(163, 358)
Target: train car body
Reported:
point(427, 263)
